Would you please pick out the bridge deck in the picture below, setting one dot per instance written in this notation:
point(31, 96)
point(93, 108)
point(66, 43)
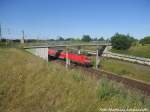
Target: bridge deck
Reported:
point(73, 45)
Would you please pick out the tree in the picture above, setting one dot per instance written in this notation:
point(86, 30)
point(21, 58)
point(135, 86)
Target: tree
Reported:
point(108, 40)
point(70, 39)
point(17, 40)
point(60, 38)
point(145, 40)
point(51, 39)
point(86, 38)
point(121, 41)
point(95, 39)
point(3, 40)
point(101, 39)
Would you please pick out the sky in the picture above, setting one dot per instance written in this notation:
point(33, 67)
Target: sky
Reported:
point(74, 18)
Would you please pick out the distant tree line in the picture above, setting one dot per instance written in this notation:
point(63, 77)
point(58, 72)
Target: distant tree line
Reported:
point(13, 40)
point(118, 41)
point(85, 38)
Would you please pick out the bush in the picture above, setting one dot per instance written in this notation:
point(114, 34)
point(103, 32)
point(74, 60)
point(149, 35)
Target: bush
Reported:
point(106, 90)
point(121, 41)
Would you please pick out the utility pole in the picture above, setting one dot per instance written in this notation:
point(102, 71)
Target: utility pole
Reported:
point(0, 32)
point(22, 40)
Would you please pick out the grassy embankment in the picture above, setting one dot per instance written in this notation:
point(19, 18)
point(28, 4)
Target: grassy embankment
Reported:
point(136, 71)
point(139, 50)
point(29, 84)
point(131, 70)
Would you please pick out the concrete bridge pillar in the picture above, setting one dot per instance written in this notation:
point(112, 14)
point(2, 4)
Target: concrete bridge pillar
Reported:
point(79, 49)
point(42, 52)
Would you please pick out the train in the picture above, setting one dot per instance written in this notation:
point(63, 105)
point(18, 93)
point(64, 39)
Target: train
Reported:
point(79, 59)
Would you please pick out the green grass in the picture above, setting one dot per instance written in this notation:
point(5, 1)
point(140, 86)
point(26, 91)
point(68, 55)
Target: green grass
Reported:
point(141, 51)
point(136, 71)
point(29, 84)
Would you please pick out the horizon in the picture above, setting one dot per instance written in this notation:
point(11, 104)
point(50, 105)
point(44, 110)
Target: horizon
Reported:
point(48, 19)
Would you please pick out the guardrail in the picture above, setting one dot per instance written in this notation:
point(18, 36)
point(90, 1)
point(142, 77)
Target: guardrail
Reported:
point(140, 60)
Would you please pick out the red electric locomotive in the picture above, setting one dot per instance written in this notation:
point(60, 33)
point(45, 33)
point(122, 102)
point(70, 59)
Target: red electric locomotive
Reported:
point(80, 59)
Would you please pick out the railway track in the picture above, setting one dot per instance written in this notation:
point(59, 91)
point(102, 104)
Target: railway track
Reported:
point(97, 74)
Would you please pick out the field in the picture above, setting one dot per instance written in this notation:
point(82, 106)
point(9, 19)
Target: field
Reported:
point(139, 50)
point(127, 69)
point(29, 84)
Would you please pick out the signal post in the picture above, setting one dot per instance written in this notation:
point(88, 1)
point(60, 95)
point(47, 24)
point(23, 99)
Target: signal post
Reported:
point(67, 60)
point(97, 57)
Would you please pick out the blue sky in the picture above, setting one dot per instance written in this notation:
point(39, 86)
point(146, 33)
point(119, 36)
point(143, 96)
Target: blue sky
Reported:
point(73, 18)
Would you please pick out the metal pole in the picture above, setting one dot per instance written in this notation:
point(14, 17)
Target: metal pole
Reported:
point(23, 34)
point(22, 40)
point(67, 57)
point(79, 51)
point(0, 32)
point(68, 62)
point(97, 58)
